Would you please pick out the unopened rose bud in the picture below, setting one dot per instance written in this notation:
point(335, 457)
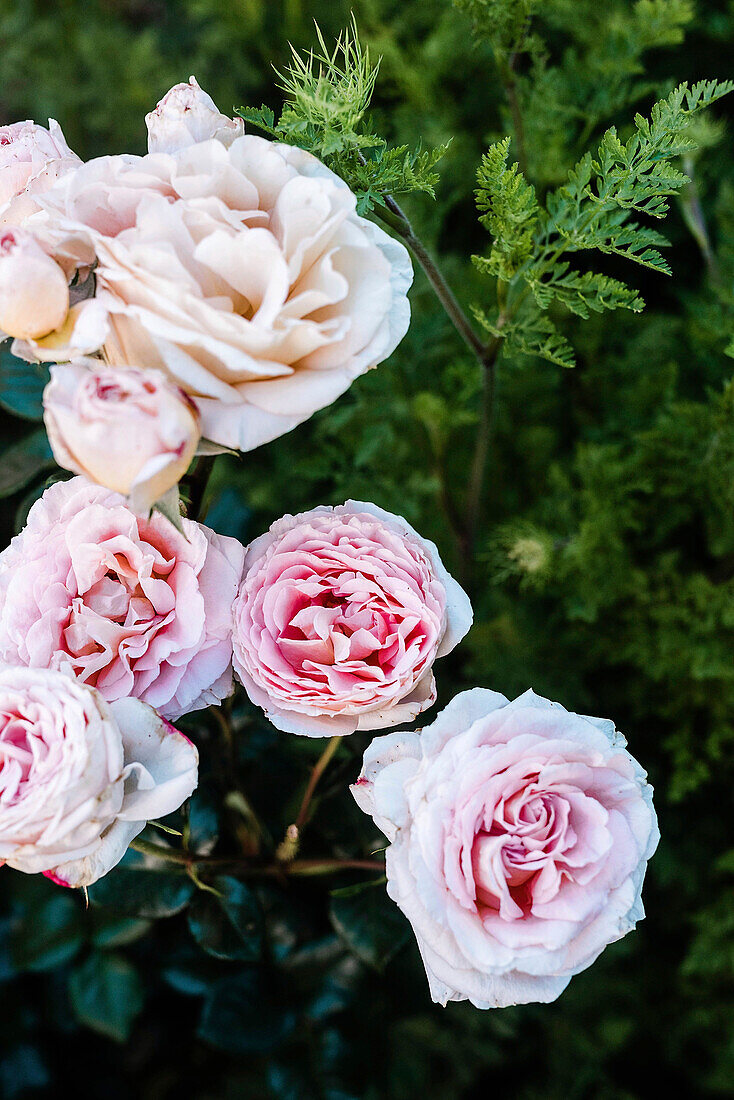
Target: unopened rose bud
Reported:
point(34, 294)
point(187, 115)
point(130, 430)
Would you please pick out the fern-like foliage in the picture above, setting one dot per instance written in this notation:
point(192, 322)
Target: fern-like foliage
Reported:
point(597, 209)
point(327, 94)
point(508, 210)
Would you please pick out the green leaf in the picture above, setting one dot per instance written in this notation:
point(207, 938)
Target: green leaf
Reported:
point(243, 1015)
point(21, 385)
point(50, 934)
point(509, 210)
point(109, 930)
point(584, 293)
point(228, 926)
point(170, 506)
point(24, 461)
point(106, 995)
point(371, 925)
point(202, 826)
point(135, 890)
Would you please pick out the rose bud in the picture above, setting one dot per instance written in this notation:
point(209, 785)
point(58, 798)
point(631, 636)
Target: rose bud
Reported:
point(34, 294)
point(127, 429)
point(187, 115)
point(519, 837)
point(80, 777)
point(340, 617)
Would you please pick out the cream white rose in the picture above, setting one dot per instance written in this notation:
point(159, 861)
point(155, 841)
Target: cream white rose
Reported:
point(130, 430)
point(243, 272)
point(80, 777)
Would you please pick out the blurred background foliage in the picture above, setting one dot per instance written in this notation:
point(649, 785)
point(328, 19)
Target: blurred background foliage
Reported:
point(603, 577)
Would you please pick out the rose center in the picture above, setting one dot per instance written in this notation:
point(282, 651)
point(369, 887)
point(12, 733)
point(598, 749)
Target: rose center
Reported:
point(20, 752)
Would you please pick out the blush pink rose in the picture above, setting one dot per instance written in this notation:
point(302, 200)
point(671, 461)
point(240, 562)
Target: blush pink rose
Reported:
point(79, 778)
point(132, 606)
point(519, 837)
point(130, 430)
point(243, 271)
point(32, 159)
point(341, 614)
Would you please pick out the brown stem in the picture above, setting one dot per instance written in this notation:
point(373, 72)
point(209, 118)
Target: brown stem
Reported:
point(393, 216)
point(300, 867)
point(486, 355)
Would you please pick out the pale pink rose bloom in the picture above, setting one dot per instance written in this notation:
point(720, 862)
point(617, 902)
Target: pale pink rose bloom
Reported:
point(132, 606)
point(187, 115)
point(34, 294)
point(519, 837)
point(32, 159)
point(243, 272)
point(127, 429)
point(80, 778)
point(341, 614)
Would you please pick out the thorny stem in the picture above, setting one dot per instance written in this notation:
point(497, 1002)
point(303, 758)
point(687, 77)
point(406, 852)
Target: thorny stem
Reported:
point(299, 867)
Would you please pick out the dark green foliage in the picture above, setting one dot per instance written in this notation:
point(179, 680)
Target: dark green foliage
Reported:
point(603, 572)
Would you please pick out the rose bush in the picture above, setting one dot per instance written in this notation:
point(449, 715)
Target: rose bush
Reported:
point(80, 778)
point(519, 836)
point(132, 606)
point(242, 271)
point(341, 614)
point(130, 430)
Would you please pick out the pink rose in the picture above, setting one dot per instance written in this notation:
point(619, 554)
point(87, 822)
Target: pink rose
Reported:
point(519, 836)
point(187, 115)
point(341, 614)
point(243, 272)
point(130, 605)
point(34, 294)
point(32, 158)
point(79, 778)
point(130, 430)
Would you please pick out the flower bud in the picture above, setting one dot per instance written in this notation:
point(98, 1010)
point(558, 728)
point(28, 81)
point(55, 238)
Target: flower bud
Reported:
point(34, 294)
point(185, 116)
point(130, 430)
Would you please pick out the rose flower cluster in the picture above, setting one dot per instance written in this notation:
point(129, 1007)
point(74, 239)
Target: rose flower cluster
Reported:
point(213, 294)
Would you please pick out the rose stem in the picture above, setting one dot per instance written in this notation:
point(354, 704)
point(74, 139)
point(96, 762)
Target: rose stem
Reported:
point(486, 355)
point(294, 867)
point(318, 770)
